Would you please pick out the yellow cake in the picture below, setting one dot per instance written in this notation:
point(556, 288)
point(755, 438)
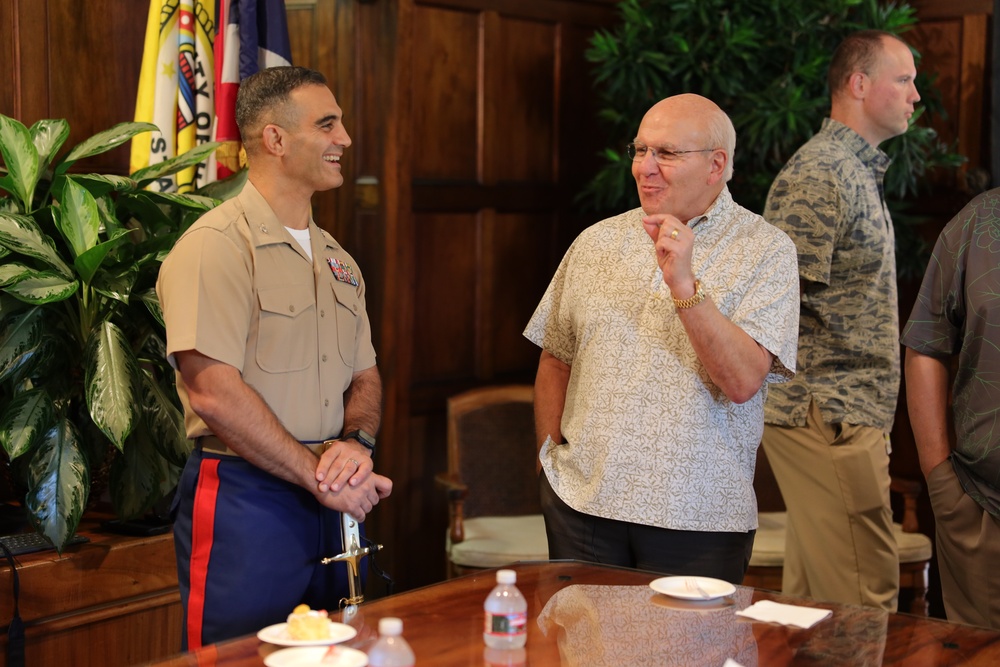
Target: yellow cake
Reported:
point(306, 624)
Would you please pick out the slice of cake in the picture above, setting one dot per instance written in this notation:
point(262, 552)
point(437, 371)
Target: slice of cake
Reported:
point(305, 624)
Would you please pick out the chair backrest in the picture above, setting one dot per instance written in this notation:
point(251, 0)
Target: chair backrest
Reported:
point(491, 448)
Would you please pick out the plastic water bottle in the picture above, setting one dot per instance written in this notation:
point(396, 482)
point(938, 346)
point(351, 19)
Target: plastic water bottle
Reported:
point(391, 650)
point(506, 614)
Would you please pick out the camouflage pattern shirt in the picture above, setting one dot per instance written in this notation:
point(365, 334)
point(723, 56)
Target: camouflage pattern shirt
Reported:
point(956, 314)
point(829, 200)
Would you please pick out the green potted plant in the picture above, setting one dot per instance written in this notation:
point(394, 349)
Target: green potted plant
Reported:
point(764, 62)
point(85, 392)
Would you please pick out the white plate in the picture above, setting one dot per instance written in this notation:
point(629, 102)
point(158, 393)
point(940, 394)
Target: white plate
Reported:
point(278, 634)
point(312, 656)
point(693, 588)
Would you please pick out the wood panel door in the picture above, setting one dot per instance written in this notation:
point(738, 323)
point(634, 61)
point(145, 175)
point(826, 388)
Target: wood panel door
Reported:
point(493, 135)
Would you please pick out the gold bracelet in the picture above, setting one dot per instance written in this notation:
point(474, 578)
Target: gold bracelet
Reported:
point(692, 301)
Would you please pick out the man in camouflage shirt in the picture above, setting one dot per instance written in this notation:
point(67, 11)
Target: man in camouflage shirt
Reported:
point(826, 435)
point(955, 317)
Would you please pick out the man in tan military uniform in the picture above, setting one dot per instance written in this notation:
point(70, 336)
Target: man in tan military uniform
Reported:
point(266, 325)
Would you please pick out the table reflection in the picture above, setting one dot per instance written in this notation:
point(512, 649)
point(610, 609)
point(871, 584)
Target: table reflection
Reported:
point(633, 625)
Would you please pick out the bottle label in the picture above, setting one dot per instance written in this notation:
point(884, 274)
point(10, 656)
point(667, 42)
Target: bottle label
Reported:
point(506, 625)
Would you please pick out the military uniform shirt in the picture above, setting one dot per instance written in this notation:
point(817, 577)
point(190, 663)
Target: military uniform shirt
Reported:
point(828, 199)
point(652, 440)
point(239, 289)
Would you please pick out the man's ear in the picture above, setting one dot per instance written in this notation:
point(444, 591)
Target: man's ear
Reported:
point(717, 166)
point(273, 140)
point(858, 85)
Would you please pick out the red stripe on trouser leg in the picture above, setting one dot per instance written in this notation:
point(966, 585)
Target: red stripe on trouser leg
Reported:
point(202, 531)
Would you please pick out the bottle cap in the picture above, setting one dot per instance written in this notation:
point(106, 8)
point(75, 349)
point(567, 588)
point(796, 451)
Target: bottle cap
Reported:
point(390, 626)
point(506, 576)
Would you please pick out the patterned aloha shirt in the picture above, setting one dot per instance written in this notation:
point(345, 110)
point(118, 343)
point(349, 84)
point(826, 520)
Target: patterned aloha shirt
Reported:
point(651, 439)
point(828, 199)
point(958, 313)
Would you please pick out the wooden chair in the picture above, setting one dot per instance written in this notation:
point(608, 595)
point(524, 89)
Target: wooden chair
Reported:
point(915, 548)
point(494, 515)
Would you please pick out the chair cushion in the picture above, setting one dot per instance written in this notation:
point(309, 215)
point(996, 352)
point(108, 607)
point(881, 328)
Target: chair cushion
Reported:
point(769, 544)
point(492, 541)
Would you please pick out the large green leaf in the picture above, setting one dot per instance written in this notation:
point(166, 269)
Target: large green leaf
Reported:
point(90, 261)
point(105, 141)
point(21, 338)
point(58, 484)
point(27, 417)
point(77, 218)
point(137, 477)
point(12, 271)
point(165, 423)
point(21, 158)
point(48, 136)
point(117, 285)
point(39, 287)
point(173, 165)
point(226, 188)
point(152, 302)
point(101, 184)
point(187, 201)
point(23, 235)
point(111, 382)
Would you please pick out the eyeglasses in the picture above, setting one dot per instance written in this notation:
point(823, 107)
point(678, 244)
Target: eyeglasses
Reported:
point(638, 151)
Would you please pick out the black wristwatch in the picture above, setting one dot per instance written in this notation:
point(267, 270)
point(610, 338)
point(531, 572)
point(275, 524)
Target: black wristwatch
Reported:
point(364, 437)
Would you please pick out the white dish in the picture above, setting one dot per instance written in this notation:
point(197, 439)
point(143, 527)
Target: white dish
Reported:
point(693, 588)
point(312, 656)
point(278, 634)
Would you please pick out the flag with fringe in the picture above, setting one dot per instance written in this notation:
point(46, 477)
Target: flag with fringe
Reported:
point(176, 89)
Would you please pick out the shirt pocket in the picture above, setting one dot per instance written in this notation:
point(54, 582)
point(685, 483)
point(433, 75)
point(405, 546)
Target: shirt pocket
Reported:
point(286, 336)
point(348, 311)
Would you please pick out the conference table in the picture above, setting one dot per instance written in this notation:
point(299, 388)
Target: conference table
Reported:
point(582, 614)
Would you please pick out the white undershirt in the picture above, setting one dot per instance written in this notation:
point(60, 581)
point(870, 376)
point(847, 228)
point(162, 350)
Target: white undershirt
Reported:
point(302, 236)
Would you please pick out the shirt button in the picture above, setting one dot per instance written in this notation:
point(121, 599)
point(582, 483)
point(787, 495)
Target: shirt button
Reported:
point(324, 357)
point(291, 309)
point(322, 313)
point(326, 403)
point(354, 308)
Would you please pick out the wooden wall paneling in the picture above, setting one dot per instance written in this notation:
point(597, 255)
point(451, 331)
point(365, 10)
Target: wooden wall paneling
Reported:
point(975, 52)
point(31, 61)
point(517, 286)
point(445, 126)
point(8, 58)
point(519, 80)
point(99, 91)
point(444, 292)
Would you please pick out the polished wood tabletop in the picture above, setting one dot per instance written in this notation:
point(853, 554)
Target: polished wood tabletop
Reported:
point(590, 615)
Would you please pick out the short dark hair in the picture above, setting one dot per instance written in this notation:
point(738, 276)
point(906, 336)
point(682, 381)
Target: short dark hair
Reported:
point(262, 93)
point(858, 52)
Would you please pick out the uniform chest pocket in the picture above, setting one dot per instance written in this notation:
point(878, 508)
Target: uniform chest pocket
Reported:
point(286, 335)
point(348, 310)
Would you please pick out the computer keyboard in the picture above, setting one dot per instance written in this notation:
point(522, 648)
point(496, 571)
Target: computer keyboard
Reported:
point(26, 543)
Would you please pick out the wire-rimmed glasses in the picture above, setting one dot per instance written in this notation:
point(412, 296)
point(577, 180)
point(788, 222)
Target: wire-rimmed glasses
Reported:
point(638, 151)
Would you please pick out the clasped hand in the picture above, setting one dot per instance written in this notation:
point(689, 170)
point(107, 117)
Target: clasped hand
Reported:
point(346, 480)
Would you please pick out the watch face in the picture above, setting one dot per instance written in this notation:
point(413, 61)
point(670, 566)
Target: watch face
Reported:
point(366, 438)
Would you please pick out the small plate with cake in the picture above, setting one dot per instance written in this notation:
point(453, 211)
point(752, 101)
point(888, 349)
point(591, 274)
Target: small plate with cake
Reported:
point(307, 627)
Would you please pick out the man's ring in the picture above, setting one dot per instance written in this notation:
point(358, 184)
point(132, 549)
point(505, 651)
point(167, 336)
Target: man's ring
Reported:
point(673, 234)
point(356, 464)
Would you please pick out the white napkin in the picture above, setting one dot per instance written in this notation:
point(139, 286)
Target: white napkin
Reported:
point(786, 614)
point(731, 663)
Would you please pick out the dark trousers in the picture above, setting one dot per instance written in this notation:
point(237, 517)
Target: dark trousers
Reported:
point(578, 536)
point(248, 549)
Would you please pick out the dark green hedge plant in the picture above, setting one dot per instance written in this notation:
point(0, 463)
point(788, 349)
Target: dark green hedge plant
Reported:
point(765, 63)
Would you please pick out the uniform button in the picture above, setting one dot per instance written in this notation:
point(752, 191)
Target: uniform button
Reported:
point(326, 403)
point(322, 313)
point(354, 308)
point(324, 357)
point(291, 309)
